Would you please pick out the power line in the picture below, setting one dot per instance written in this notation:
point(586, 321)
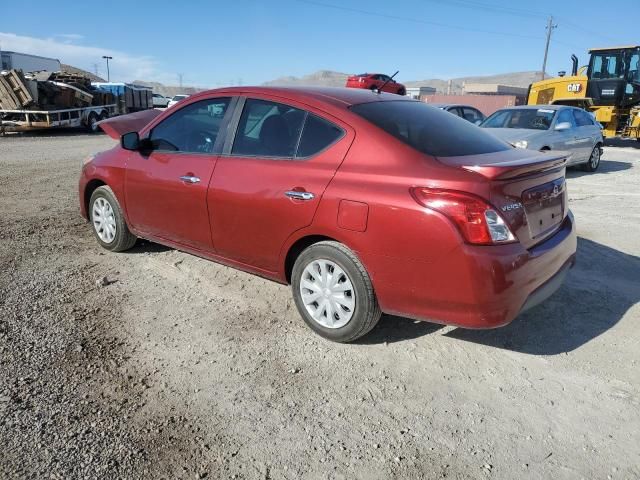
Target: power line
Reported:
point(413, 20)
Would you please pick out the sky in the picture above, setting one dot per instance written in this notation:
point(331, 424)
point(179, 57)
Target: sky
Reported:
point(215, 43)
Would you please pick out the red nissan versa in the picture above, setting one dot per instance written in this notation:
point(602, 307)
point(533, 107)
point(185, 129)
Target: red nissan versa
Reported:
point(374, 81)
point(363, 202)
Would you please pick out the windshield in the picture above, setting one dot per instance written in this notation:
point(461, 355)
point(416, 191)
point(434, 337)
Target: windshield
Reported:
point(429, 130)
point(179, 97)
point(528, 118)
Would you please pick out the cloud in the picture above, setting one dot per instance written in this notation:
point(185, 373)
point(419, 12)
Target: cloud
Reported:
point(124, 67)
point(68, 38)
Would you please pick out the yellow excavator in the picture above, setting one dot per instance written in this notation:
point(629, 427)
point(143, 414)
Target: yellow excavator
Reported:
point(608, 87)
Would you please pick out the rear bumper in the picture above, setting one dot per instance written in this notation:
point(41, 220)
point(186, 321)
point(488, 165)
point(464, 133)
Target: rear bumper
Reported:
point(479, 286)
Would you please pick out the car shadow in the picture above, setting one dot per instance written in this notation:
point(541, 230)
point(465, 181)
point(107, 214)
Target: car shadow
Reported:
point(606, 166)
point(598, 292)
point(145, 246)
point(391, 329)
point(622, 143)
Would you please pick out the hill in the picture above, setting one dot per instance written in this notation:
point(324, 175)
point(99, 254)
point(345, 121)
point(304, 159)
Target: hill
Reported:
point(168, 90)
point(330, 78)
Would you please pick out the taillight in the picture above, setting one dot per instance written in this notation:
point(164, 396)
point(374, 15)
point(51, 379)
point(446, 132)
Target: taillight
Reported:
point(477, 221)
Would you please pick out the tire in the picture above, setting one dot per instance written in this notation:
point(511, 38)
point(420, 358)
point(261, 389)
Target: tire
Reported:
point(402, 91)
point(103, 203)
point(103, 116)
point(594, 160)
point(92, 121)
point(357, 304)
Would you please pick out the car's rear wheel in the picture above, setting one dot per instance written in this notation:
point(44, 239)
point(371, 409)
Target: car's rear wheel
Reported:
point(594, 160)
point(107, 220)
point(333, 292)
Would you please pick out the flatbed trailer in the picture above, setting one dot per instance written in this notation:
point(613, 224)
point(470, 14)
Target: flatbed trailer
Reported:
point(29, 120)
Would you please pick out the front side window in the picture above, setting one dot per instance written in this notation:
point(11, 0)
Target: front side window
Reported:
point(429, 130)
point(528, 118)
point(472, 115)
point(605, 65)
point(192, 129)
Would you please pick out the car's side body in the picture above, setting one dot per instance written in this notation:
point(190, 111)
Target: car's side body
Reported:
point(572, 130)
point(160, 100)
point(375, 81)
point(240, 213)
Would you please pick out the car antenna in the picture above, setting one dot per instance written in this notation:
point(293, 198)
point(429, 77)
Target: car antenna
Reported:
point(379, 90)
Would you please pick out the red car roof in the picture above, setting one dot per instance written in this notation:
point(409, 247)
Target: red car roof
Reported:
point(337, 96)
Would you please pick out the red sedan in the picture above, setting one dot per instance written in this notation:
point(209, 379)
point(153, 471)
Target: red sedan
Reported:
point(364, 203)
point(375, 81)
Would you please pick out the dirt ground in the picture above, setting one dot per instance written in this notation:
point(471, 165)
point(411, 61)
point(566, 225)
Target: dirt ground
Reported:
point(181, 368)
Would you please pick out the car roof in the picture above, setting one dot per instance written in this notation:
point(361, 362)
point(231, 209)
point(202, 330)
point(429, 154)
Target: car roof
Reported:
point(537, 107)
point(447, 105)
point(336, 96)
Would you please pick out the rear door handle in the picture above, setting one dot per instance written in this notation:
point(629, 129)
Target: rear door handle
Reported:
point(300, 195)
point(189, 179)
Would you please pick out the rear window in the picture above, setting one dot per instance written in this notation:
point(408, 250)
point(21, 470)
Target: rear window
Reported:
point(429, 130)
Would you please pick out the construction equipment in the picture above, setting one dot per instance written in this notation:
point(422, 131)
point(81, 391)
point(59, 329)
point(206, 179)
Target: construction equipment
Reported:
point(609, 87)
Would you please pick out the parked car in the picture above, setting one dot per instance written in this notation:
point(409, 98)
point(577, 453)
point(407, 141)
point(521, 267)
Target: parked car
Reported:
point(176, 99)
point(551, 127)
point(160, 100)
point(363, 205)
point(374, 81)
point(469, 113)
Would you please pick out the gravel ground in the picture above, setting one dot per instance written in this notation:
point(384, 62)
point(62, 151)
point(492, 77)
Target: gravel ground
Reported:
point(158, 364)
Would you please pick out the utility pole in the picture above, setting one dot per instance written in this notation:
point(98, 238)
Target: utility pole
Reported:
point(550, 27)
point(180, 80)
point(107, 58)
point(95, 69)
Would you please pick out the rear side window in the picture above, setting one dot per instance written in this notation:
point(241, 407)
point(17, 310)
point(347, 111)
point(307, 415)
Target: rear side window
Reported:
point(268, 129)
point(582, 118)
point(317, 135)
point(428, 129)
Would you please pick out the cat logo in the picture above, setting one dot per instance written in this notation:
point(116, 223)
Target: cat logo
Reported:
point(574, 87)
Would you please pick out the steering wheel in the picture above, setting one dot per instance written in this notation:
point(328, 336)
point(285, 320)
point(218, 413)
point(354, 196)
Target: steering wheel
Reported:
point(201, 141)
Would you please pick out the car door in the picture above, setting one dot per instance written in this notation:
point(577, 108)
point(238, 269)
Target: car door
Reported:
point(166, 182)
point(583, 133)
point(565, 139)
point(270, 179)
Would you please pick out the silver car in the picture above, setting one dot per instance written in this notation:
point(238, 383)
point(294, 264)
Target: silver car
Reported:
point(550, 127)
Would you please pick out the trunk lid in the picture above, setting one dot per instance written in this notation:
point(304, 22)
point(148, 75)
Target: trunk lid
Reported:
point(527, 188)
point(115, 127)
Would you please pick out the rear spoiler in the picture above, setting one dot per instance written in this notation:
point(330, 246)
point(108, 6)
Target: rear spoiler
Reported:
point(133, 122)
point(510, 164)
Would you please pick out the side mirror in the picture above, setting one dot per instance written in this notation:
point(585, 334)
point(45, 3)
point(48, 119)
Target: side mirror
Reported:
point(563, 126)
point(130, 141)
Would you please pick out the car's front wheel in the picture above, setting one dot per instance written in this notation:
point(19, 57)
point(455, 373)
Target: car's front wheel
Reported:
point(107, 220)
point(333, 292)
point(594, 160)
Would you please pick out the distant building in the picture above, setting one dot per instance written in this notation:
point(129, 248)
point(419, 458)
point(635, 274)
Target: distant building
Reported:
point(419, 92)
point(27, 63)
point(487, 104)
point(493, 89)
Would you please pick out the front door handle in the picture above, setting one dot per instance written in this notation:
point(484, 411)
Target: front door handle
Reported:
point(299, 195)
point(189, 179)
